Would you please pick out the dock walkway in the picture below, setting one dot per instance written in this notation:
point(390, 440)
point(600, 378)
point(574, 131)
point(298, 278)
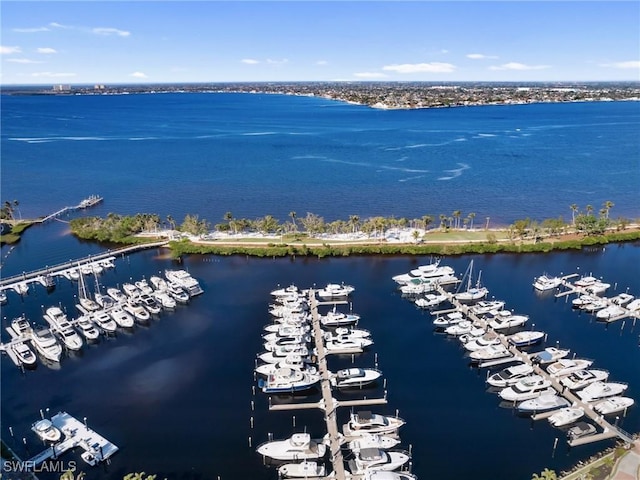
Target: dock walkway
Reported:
point(608, 430)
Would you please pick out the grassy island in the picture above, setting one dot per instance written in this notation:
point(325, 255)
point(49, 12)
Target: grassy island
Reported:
point(267, 237)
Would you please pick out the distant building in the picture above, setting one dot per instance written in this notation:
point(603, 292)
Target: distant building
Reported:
point(62, 88)
point(99, 87)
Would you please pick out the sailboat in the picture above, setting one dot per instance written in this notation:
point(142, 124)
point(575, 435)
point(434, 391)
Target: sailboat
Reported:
point(471, 294)
point(85, 305)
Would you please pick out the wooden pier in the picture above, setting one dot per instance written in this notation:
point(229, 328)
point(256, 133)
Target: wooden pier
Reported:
point(86, 203)
point(608, 430)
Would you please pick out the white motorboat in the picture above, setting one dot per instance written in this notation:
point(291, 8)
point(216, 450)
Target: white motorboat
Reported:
point(598, 288)
point(21, 288)
point(485, 306)
point(306, 469)
point(334, 290)
point(158, 283)
point(105, 301)
point(117, 295)
point(293, 361)
point(447, 319)
point(23, 353)
point(121, 317)
point(57, 319)
point(20, 325)
point(387, 475)
point(150, 303)
point(544, 403)
point(289, 380)
point(373, 440)
point(86, 305)
point(300, 446)
point(131, 290)
point(492, 352)
point(525, 338)
point(377, 459)
point(486, 340)
point(473, 334)
point(346, 344)
point(580, 429)
point(144, 287)
point(599, 390)
point(566, 416)
point(583, 300)
point(613, 405)
point(549, 355)
point(355, 377)
point(506, 319)
point(352, 332)
point(164, 299)
point(611, 312)
point(338, 319)
point(621, 299)
point(104, 321)
point(271, 345)
point(185, 280)
point(595, 306)
point(46, 344)
point(363, 422)
point(280, 352)
point(585, 281)
point(565, 366)
point(510, 375)
point(460, 328)
point(287, 310)
point(286, 291)
point(582, 378)
point(177, 292)
point(288, 330)
point(528, 387)
point(134, 308)
point(47, 431)
point(87, 328)
point(545, 282)
point(634, 305)
point(430, 300)
point(424, 274)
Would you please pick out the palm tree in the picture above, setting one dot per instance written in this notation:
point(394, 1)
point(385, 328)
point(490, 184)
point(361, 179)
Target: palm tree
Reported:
point(8, 210)
point(228, 216)
point(456, 215)
point(574, 210)
point(354, 220)
point(293, 220)
point(443, 220)
point(471, 217)
point(608, 205)
point(171, 222)
point(589, 209)
point(427, 219)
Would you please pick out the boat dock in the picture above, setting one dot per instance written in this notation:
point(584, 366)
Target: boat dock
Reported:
point(608, 430)
point(24, 279)
point(86, 203)
point(76, 434)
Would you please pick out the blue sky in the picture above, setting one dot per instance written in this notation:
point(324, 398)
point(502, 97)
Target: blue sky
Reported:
point(49, 42)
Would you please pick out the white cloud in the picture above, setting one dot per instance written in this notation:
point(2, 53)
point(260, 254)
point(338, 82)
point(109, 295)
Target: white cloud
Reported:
point(138, 75)
point(59, 25)
point(518, 66)
point(369, 75)
point(110, 31)
point(276, 62)
point(249, 61)
point(433, 67)
point(46, 50)
point(631, 64)
point(22, 60)
point(9, 50)
point(480, 56)
point(322, 62)
point(52, 74)
point(31, 30)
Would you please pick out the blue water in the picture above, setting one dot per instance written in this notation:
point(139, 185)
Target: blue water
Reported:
point(271, 154)
point(176, 396)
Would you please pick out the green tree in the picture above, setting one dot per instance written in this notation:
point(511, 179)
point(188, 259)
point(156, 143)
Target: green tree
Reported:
point(546, 474)
point(428, 220)
point(471, 216)
point(608, 205)
point(574, 210)
point(354, 221)
point(456, 215)
point(293, 220)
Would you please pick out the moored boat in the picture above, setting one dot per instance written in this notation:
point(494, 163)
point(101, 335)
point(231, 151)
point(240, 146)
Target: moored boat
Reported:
point(613, 405)
point(525, 338)
point(306, 469)
point(47, 431)
point(510, 375)
point(355, 377)
point(300, 446)
point(566, 416)
point(544, 403)
point(365, 421)
point(582, 378)
point(545, 282)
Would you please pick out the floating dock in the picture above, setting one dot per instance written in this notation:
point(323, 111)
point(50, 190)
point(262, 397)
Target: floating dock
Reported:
point(76, 434)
